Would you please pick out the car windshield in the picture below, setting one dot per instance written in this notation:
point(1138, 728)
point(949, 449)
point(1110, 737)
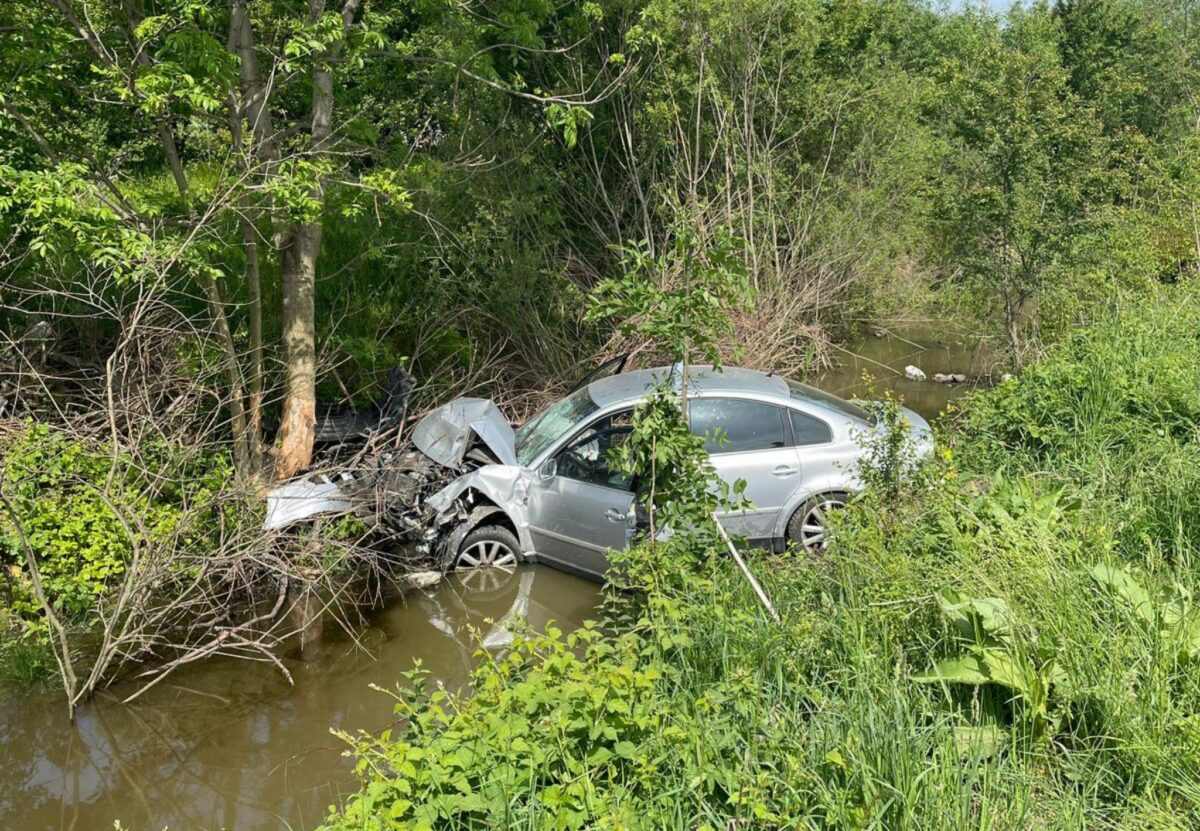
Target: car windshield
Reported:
point(803, 392)
point(552, 424)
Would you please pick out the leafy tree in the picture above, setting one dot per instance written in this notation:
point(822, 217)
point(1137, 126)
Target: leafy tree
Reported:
point(265, 118)
point(679, 302)
point(1022, 156)
point(680, 298)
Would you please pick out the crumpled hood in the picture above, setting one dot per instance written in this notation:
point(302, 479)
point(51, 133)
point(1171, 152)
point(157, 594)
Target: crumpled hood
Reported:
point(447, 433)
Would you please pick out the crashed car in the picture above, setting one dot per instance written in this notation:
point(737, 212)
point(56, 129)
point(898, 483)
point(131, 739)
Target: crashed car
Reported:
point(472, 492)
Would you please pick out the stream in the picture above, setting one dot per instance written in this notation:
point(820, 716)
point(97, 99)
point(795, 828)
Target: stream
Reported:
point(885, 358)
point(230, 744)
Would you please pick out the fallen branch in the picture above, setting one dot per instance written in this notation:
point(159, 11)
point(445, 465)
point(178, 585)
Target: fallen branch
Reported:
point(737, 558)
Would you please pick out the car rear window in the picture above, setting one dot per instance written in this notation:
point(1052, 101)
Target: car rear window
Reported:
point(803, 392)
point(809, 430)
point(735, 425)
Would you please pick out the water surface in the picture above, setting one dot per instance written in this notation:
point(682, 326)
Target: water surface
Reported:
point(886, 357)
point(230, 744)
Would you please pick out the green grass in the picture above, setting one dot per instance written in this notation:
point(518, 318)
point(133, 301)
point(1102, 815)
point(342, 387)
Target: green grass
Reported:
point(705, 713)
point(24, 662)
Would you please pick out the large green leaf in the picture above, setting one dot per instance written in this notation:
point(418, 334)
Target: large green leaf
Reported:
point(1119, 581)
point(965, 670)
point(1004, 670)
point(977, 619)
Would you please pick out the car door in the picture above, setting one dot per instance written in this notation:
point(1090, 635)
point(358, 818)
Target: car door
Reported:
point(821, 459)
point(579, 507)
point(750, 440)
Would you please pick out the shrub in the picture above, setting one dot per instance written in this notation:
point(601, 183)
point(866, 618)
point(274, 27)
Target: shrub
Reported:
point(73, 513)
point(1009, 646)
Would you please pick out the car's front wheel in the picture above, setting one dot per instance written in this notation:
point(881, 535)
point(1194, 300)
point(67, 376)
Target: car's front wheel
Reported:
point(488, 546)
point(809, 525)
point(486, 561)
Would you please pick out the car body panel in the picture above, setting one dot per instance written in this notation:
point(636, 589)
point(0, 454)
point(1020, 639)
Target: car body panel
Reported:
point(446, 434)
point(702, 380)
point(770, 477)
point(574, 524)
point(506, 486)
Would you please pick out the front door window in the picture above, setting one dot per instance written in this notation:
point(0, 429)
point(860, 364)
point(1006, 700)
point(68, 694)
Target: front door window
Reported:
point(584, 508)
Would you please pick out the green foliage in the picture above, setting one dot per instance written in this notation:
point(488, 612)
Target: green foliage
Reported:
point(996, 654)
point(1174, 619)
point(679, 298)
point(888, 461)
point(1022, 161)
point(958, 660)
point(573, 728)
point(568, 120)
point(24, 659)
point(74, 516)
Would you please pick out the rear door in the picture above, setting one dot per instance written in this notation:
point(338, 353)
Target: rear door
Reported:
point(579, 507)
point(750, 440)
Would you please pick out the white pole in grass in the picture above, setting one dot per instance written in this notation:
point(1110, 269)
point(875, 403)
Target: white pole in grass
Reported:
point(737, 558)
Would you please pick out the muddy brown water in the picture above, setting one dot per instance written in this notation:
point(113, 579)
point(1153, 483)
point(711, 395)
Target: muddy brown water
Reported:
point(885, 358)
point(230, 744)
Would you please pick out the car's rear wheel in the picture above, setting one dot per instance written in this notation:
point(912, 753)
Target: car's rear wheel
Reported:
point(809, 525)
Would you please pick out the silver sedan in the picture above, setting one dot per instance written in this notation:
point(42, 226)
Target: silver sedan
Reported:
point(552, 497)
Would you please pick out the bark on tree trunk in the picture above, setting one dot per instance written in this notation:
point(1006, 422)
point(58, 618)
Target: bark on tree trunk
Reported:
point(248, 214)
point(1013, 311)
point(233, 377)
point(297, 427)
point(254, 289)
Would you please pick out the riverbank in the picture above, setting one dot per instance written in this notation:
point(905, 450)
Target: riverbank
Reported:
point(165, 759)
point(1012, 644)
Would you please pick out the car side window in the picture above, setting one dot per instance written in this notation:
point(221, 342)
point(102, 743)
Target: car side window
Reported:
point(586, 458)
point(808, 429)
point(735, 425)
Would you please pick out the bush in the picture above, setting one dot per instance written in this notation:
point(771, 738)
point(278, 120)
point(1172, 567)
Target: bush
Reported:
point(73, 513)
point(1012, 645)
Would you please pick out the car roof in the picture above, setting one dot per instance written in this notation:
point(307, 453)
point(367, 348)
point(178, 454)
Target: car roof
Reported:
point(630, 386)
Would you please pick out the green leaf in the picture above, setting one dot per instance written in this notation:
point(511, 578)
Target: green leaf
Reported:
point(964, 670)
point(1119, 581)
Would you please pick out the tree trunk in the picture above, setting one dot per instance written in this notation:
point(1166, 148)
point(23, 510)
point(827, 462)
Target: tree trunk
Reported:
point(248, 214)
point(298, 261)
point(1013, 311)
point(299, 268)
point(233, 376)
point(254, 290)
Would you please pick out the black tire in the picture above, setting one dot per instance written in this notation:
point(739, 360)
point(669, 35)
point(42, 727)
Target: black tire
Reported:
point(483, 582)
point(487, 545)
point(807, 527)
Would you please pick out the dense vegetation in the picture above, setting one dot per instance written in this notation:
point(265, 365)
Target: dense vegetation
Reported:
point(1014, 644)
point(218, 216)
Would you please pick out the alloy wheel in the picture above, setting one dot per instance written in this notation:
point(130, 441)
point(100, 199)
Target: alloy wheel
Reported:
point(486, 554)
point(814, 528)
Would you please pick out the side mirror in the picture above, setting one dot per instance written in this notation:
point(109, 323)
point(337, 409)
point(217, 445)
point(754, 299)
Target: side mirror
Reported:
point(548, 470)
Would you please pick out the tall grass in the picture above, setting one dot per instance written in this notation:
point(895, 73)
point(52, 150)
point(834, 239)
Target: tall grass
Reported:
point(856, 712)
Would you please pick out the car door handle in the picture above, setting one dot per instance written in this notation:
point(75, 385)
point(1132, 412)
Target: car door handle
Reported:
point(784, 470)
point(613, 515)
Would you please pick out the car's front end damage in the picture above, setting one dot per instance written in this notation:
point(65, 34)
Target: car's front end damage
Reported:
point(459, 467)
